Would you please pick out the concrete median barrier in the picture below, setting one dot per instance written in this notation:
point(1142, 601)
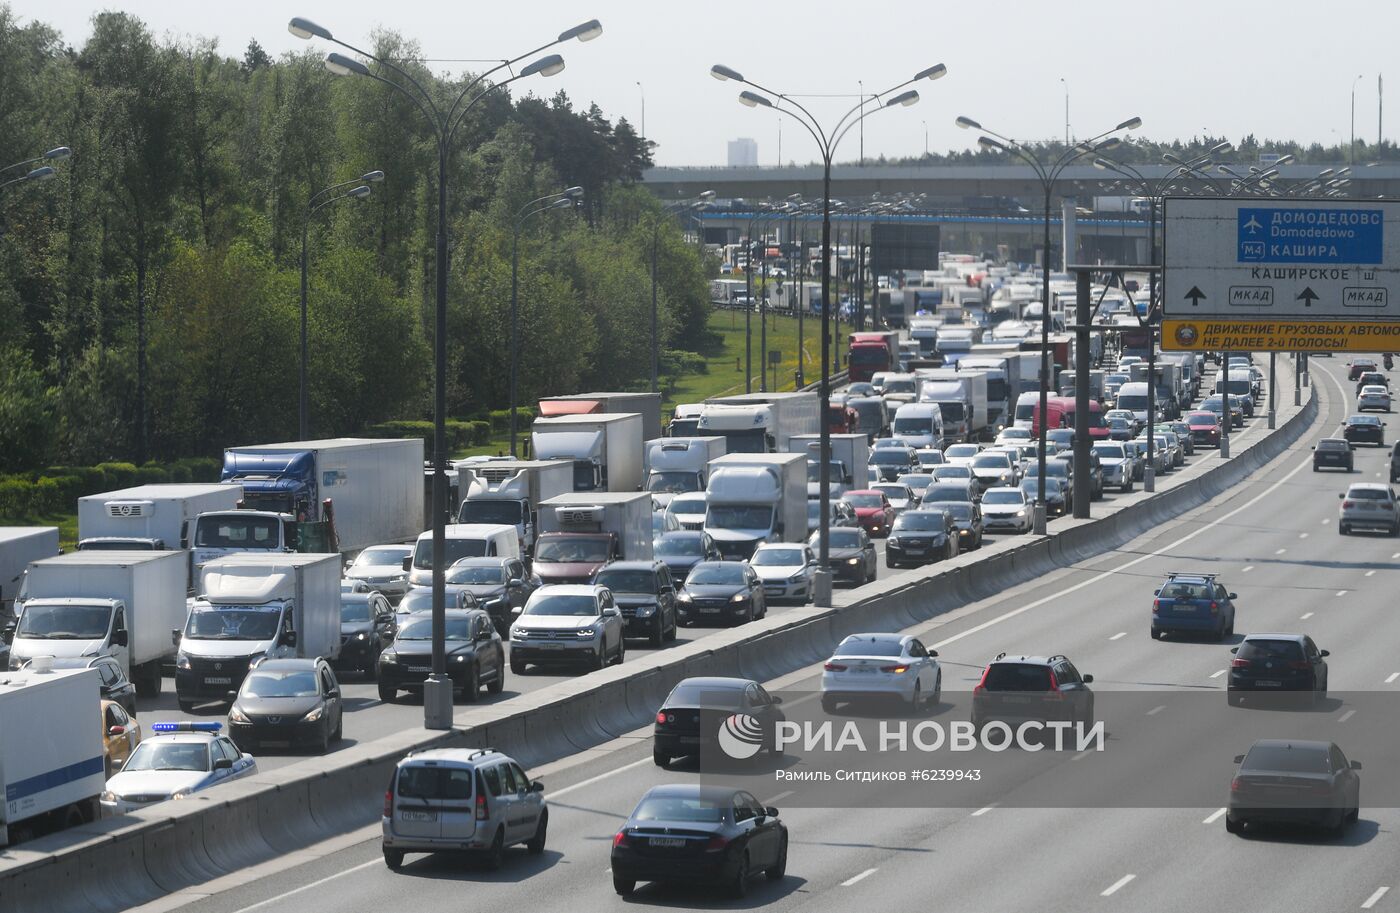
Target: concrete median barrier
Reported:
point(114, 864)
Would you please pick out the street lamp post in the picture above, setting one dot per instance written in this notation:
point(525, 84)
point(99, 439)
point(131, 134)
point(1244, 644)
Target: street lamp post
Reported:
point(319, 200)
point(564, 199)
point(827, 143)
point(42, 173)
point(1047, 174)
point(437, 689)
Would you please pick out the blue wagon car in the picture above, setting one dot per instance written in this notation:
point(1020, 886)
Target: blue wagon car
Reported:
point(1193, 604)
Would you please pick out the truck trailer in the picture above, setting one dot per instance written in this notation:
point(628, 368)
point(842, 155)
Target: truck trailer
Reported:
point(761, 422)
point(647, 405)
point(19, 546)
point(511, 491)
point(149, 517)
point(754, 498)
point(605, 450)
point(962, 398)
point(850, 454)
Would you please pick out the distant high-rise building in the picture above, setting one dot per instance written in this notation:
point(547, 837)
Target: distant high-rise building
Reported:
point(743, 151)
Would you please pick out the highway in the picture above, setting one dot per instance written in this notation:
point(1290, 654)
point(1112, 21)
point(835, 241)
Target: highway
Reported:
point(1272, 540)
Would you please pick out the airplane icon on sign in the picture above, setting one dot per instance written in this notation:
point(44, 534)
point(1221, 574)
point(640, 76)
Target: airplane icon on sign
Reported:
point(1253, 225)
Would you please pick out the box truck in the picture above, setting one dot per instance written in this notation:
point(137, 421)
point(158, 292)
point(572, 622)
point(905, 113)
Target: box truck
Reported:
point(580, 532)
point(761, 422)
point(924, 331)
point(511, 491)
point(850, 454)
point(52, 771)
point(121, 604)
point(679, 464)
point(962, 398)
point(150, 517)
point(647, 405)
point(756, 497)
point(19, 546)
point(252, 607)
point(605, 450)
point(872, 352)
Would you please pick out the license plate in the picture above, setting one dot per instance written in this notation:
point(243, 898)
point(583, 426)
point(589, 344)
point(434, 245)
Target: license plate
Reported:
point(863, 670)
point(419, 668)
point(417, 816)
point(667, 841)
point(915, 551)
point(1262, 683)
point(220, 680)
point(547, 646)
point(709, 610)
point(1182, 607)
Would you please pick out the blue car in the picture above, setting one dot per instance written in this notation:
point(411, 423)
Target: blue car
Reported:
point(1193, 604)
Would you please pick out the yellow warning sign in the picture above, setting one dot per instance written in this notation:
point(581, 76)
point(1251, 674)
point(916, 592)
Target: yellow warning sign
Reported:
point(1205, 335)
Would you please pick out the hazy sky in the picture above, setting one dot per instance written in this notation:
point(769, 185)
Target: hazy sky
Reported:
point(1279, 69)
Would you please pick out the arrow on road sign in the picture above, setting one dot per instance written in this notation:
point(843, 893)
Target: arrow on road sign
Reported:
point(1195, 296)
point(1307, 296)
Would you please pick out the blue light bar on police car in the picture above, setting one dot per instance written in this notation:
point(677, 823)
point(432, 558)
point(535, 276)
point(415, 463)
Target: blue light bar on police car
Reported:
point(186, 727)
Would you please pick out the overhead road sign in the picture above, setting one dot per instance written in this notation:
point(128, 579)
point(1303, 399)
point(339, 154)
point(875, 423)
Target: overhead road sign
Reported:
point(1208, 334)
point(1281, 259)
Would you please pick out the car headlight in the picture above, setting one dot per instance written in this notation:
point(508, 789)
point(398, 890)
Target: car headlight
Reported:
point(237, 716)
point(388, 658)
point(361, 636)
point(851, 561)
point(109, 796)
point(516, 633)
point(314, 714)
point(684, 597)
point(1021, 512)
point(738, 597)
point(182, 661)
point(644, 611)
point(586, 632)
point(181, 793)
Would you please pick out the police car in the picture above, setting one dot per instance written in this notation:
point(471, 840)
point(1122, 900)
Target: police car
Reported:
point(179, 760)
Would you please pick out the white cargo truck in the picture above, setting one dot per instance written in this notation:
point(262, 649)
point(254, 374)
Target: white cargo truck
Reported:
point(754, 498)
point(920, 425)
point(511, 492)
point(761, 422)
point(999, 398)
point(605, 450)
point(676, 465)
point(52, 770)
point(19, 546)
point(582, 531)
point(150, 517)
point(962, 398)
point(120, 604)
point(251, 607)
point(647, 405)
point(850, 454)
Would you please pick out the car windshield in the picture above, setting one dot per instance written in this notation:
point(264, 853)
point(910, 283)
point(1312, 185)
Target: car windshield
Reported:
point(233, 623)
point(677, 808)
point(280, 684)
point(868, 646)
point(679, 547)
point(781, 557)
point(1262, 648)
point(1333, 444)
point(958, 510)
point(1060, 435)
point(961, 451)
point(716, 574)
point(224, 531)
point(1184, 590)
point(917, 481)
point(899, 386)
point(931, 458)
point(688, 505)
point(417, 782)
point(572, 550)
point(576, 605)
point(169, 756)
point(1015, 434)
point(454, 550)
point(1031, 486)
point(921, 521)
point(890, 456)
point(1363, 420)
point(1112, 451)
point(673, 482)
point(476, 575)
point(860, 500)
point(992, 461)
point(1287, 758)
point(1052, 468)
point(64, 622)
point(1016, 677)
point(947, 493)
point(1006, 496)
point(419, 600)
point(420, 627)
point(381, 557)
point(352, 611)
point(626, 580)
point(952, 472)
point(841, 538)
point(894, 492)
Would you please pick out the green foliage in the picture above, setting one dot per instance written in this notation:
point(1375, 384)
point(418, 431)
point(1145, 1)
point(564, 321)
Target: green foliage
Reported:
point(56, 489)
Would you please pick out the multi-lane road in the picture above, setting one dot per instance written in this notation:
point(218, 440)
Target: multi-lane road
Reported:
point(1272, 539)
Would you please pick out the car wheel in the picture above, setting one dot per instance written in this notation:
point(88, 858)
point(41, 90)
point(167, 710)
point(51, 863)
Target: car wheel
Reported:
point(658, 632)
point(323, 744)
point(388, 693)
point(1232, 826)
point(937, 691)
point(916, 701)
point(1156, 633)
point(339, 728)
point(1341, 529)
point(777, 870)
point(498, 684)
point(829, 704)
point(393, 859)
point(1234, 700)
point(660, 759)
point(599, 659)
point(739, 887)
point(370, 669)
point(621, 650)
point(496, 855)
point(517, 666)
point(675, 628)
point(471, 688)
point(624, 886)
point(535, 845)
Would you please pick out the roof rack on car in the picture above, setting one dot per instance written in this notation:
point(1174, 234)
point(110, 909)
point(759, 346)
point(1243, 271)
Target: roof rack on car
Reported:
point(1055, 656)
point(999, 656)
point(479, 752)
point(1190, 574)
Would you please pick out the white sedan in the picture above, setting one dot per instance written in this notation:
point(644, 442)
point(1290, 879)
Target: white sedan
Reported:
point(882, 666)
point(901, 495)
point(962, 454)
point(1006, 508)
point(1373, 396)
point(181, 759)
point(788, 571)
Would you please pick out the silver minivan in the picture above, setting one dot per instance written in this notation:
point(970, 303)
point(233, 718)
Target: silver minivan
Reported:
point(462, 800)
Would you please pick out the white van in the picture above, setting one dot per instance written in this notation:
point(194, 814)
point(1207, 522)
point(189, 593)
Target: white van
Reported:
point(463, 540)
point(919, 425)
point(1026, 403)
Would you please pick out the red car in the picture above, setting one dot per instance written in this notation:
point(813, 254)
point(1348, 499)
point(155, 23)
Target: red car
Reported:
point(874, 512)
point(1360, 366)
point(1205, 427)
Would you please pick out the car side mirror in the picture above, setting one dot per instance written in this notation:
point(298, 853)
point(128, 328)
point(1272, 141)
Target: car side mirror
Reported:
point(119, 638)
point(1340, 496)
point(1088, 679)
point(1233, 596)
point(1355, 765)
point(408, 563)
point(117, 730)
point(536, 786)
point(611, 612)
point(1234, 649)
point(933, 654)
point(175, 637)
point(223, 764)
point(1325, 653)
point(772, 810)
point(334, 692)
point(288, 639)
point(777, 700)
point(1239, 759)
point(1312, 448)
point(515, 581)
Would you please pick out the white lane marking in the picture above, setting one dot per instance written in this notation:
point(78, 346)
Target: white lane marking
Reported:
point(603, 776)
point(1346, 716)
point(1396, 555)
point(1214, 816)
point(1280, 551)
point(1392, 677)
point(1305, 616)
point(1342, 592)
point(1118, 635)
point(1326, 521)
point(306, 887)
point(981, 811)
point(1156, 710)
point(1113, 888)
point(1082, 754)
point(774, 800)
point(1372, 900)
point(1371, 573)
point(1218, 674)
point(1074, 588)
point(1247, 569)
point(855, 878)
point(1302, 535)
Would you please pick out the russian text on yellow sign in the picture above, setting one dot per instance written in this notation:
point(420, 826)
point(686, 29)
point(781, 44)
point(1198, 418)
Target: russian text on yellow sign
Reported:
point(1201, 335)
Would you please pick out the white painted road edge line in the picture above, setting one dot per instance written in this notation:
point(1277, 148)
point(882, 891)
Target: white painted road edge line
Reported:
point(1343, 592)
point(1305, 616)
point(1346, 716)
point(1392, 677)
point(1118, 635)
point(306, 887)
point(1371, 573)
point(603, 776)
point(1156, 710)
point(1214, 816)
point(1246, 569)
point(1218, 674)
point(1371, 901)
point(855, 878)
point(1113, 888)
point(982, 811)
point(1280, 551)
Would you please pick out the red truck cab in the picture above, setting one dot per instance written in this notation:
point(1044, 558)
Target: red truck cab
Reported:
point(870, 353)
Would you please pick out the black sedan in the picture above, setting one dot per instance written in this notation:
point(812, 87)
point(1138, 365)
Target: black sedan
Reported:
point(1294, 782)
point(682, 549)
point(851, 552)
point(700, 835)
point(499, 586)
point(475, 655)
point(366, 628)
point(1267, 664)
point(690, 718)
point(721, 592)
point(1333, 453)
point(921, 536)
point(967, 517)
point(1367, 429)
point(284, 703)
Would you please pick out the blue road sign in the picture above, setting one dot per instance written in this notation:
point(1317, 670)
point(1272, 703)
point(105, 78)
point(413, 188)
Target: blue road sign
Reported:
point(1310, 235)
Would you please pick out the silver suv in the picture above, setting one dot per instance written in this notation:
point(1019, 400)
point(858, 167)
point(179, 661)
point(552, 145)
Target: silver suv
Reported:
point(1369, 505)
point(462, 800)
point(568, 623)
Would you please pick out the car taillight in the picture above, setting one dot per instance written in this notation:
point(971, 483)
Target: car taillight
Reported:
point(981, 685)
point(715, 843)
point(1156, 604)
point(483, 811)
point(1238, 663)
point(661, 718)
point(388, 803)
point(897, 670)
point(620, 838)
point(1215, 608)
point(1236, 785)
point(1348, 504)
point(834, 667)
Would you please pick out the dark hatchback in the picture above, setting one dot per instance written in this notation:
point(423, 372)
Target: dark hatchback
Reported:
point(1274, 663)
point(920, 537)
point(1333, 453)
point(1288, 782)
point(284, 703)
point(967, 517)
point(699, 835)
point(1054, 493)
point(706, 702)
point(366, 628)
point(1015, 689)
point(720, 592)
point(1367, 429)
point(475, 655)
point(851, 553)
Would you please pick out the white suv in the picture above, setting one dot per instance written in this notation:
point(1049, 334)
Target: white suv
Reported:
point(568, 623)
point(1369, 505)
point(462, 799)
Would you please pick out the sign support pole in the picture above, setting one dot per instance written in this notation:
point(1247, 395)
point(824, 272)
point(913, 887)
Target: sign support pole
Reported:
point(1272, 389)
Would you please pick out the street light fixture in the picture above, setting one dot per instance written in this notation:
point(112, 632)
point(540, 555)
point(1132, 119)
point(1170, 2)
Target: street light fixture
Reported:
point(437, 690)
point(827, 141)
